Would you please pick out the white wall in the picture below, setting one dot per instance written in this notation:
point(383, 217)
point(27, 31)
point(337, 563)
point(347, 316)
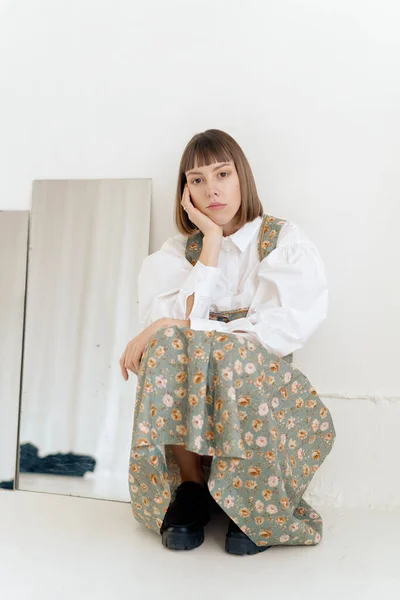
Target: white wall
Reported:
point(309, 89)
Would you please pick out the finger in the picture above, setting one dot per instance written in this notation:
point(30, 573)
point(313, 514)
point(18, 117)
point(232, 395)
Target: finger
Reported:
point(141, 355)
point(132, 358)
point(137, 359)
point(129, 351)
point(123, 370)
point(183, 201)
point(132, 362)
point(187, 203)
point(133, 369)
point(184, 193)
point(136, 364)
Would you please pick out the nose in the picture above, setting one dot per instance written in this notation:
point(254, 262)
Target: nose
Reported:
point(210, 191)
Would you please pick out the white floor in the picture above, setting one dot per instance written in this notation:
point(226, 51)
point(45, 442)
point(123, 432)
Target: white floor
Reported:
point(91, 485)
point(55, 547)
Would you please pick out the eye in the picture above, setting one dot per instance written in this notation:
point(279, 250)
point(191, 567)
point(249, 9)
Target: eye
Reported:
point(221, 173)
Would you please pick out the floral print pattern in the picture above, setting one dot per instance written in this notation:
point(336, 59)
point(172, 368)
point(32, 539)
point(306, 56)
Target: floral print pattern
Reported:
point(254, 413)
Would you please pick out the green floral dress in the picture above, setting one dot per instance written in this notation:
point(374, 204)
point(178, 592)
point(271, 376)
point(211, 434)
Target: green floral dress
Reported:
point(224, 396)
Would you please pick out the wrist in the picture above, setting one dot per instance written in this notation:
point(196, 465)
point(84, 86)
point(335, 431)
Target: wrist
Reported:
point(170, 322)
point(213, 238)
point(211, 249)
point(163, 322)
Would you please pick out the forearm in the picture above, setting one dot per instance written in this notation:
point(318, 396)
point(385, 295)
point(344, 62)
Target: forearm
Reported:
point(165, 322)
point(209, 257)
point(210, 251)
point(189, 304)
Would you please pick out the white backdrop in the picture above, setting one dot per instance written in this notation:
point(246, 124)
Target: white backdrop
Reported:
point(309, 89)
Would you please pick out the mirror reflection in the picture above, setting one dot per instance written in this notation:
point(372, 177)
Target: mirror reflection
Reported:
point(88, 239)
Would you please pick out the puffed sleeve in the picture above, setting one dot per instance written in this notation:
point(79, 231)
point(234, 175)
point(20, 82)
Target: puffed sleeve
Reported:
point(291, 298)
point(166, 280)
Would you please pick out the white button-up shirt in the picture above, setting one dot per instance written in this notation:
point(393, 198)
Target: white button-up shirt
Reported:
point(286, 293)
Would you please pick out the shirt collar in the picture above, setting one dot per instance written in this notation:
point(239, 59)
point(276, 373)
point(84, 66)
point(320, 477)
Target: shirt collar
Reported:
point(244, 235)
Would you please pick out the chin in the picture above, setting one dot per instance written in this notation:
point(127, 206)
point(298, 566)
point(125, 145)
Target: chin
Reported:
point(220, 221)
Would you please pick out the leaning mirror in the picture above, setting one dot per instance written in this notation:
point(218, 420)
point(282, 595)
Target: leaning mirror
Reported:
point(87, 240)
point(13, 258)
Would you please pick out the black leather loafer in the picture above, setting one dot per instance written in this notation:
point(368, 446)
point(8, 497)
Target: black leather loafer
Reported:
point(238, 542)
point(187, 514)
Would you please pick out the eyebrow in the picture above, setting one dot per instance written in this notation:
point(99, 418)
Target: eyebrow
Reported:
point(214, 169)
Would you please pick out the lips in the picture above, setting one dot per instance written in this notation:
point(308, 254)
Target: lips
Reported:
point(215, 205)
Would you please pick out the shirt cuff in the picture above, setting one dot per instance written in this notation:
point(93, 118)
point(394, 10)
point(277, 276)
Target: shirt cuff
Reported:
point(201, 280)
point(243, 324)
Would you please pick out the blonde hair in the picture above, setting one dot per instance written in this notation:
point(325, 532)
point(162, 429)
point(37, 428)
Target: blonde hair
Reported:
point(208, 147)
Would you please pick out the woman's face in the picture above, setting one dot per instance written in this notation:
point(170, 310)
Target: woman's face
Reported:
point(217, 183)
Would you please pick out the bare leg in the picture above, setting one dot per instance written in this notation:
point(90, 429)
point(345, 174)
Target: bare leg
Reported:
point(189, 464)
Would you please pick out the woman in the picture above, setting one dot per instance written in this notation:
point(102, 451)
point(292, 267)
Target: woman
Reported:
point(221, 413)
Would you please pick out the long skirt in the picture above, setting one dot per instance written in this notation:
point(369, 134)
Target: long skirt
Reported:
point(256, 415)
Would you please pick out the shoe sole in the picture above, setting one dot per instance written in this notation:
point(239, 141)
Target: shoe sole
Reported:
point(175, 540)
point(241, 547)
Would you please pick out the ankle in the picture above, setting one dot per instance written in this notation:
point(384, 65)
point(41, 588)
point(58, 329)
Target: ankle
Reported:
point(196, 478)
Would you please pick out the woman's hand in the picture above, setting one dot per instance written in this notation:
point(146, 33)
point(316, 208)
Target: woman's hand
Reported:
point(134, 350)
point(202, 221)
